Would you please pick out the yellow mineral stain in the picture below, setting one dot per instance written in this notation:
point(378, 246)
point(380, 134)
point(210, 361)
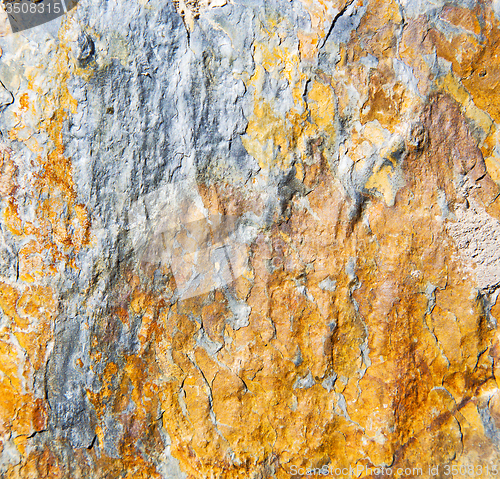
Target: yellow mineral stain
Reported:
point(308, 46)
point(46, 243)
point(451, 85)
point(11, 218)
point(493, 167)
point(274, 139)
point(322, 107)
point(266, 392)
point(375, 134)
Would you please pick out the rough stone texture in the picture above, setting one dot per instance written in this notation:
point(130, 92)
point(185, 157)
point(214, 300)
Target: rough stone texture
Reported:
point(242, 238)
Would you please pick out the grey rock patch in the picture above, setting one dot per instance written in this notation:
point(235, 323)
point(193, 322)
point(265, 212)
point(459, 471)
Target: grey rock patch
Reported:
point(211, 347)
point(489, 425)
point(298, 360)
point(305, 382)
point(241, 313)
point(328, 284)
point(10, 456)
point(329, 382)
point(369, 61)
point(442, 201)
point(405, 75)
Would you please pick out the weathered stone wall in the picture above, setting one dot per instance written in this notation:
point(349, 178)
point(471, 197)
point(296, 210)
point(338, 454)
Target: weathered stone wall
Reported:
point(243, 238)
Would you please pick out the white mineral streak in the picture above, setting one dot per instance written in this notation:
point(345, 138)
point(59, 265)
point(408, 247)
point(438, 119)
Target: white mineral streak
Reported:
point(4, 23)
point(477, 236)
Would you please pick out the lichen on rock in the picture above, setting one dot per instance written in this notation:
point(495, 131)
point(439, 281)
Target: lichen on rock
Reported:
point(251, 239)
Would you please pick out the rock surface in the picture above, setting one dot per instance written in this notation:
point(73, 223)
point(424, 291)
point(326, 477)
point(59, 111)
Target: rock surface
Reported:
point(243, 239)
